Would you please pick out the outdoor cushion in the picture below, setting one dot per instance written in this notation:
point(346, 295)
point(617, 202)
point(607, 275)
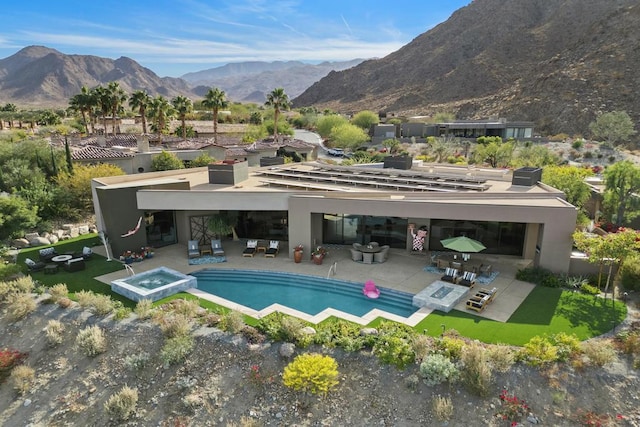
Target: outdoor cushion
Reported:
point(252, 244)
point(272, 251)
point(47, 253)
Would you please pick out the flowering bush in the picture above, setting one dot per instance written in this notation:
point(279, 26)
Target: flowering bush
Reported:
point(8, 359)
point(513, 408)
point(298, 248)
point(320, 250)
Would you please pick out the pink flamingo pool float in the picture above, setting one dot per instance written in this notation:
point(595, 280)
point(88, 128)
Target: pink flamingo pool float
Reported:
point(370, 290)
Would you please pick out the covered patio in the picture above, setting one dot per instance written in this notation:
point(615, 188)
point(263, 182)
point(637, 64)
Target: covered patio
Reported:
point(403, 271)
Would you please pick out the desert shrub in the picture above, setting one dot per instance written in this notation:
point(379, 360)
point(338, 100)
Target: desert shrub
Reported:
point(450, 346)
point(8, 359)
point(20, 305)
point(630, 273)
point(422, 346)
point(233, 322)
point(91, 341)
point(566, 345)
point(176, 349)
point(476, 372)
point(121, 312)
point(136, 361)
point(144, 309)
point(588, 155)
point(311, 373)
point(344, 333)
point(252, 335)
point(394, 350)
point(20, 285)
point(23, 285)
point(501, 357)
point(539, 276)
point(538, 351)
point(85, 298)
point(102, 304)
point(577, 144)
point(186, 307)
point(122, 404)
point(438, 368)
point(290, 328)
point(588, 289)
point(174, 325)
point(599, 352)
point(271, 326)
point(22, 377)
point(442, 408)
point(58, 292)
point(630, 342)
point(7, 271)
point(54, 331)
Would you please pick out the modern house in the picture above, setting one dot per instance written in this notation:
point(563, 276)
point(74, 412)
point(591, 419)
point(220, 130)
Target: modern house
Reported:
point(310, 203)
point(470, 129)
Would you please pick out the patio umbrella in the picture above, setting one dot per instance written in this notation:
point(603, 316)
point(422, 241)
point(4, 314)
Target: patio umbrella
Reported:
point(463, 244)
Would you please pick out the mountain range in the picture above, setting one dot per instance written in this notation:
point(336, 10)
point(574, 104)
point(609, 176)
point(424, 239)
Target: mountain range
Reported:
point(558, 63)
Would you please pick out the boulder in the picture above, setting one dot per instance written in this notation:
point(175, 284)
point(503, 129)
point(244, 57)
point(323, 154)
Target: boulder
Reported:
point(74, 232)
point(31, 236)
point(39, 241)
point(307, 330)
point(83, 229)
point(53, 239)
point(368, 331)
point(19, 243)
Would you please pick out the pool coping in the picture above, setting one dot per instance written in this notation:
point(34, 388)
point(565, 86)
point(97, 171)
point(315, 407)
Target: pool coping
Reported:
point(367, 318)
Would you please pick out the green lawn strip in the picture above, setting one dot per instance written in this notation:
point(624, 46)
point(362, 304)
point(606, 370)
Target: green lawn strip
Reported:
point(573, 313)
point(76, 281)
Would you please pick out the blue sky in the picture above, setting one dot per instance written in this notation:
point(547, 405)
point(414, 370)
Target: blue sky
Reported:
point(176, 37)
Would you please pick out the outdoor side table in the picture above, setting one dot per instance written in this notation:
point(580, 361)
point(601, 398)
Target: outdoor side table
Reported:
point(50, 268)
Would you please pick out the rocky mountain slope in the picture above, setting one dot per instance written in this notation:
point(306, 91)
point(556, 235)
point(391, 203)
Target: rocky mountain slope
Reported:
point(556, 62)
point(40, 76)
point(251, 81)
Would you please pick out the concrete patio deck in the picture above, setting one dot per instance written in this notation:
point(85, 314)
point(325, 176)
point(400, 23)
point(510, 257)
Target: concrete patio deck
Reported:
point(403, 271)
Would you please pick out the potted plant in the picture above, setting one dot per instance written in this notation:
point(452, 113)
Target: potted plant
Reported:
point(318, 255)
point(297, 254)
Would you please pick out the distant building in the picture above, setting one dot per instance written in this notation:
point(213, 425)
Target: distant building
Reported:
point(471, 129)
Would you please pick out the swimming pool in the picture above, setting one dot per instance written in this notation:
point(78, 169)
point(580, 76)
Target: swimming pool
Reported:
point(258, 289)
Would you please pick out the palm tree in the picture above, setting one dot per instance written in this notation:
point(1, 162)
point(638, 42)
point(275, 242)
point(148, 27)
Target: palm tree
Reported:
point(183, 106)
point(160, 110)
point(118, 96)
point(83, 103)
point(279, 101)
point(140, 100)
point(216, 100)
point(103, 102)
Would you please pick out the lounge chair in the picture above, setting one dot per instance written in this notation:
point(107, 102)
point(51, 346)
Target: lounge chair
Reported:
point(216, 247)
point(477, 303)
point(356, 255)
point(34, 266)
point(468, 279)
point(47, 253)
point(450, 275)
point(193, 249)
point(272, 250)
point(490, 292)
point(251, 248)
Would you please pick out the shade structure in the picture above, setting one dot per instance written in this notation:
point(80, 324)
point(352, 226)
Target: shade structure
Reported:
point(463, 244)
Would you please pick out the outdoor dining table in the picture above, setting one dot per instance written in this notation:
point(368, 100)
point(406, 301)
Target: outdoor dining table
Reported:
point(370, 249)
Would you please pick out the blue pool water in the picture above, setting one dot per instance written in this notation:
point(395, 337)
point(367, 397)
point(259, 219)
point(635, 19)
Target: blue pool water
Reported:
point(258, 289)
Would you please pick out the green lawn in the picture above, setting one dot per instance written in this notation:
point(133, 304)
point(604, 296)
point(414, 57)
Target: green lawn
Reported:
point(545, 311)
point(79, 280)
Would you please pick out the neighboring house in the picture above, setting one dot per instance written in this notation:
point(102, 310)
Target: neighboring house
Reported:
point(471, 129)
point(312, 203)
point(134, 153)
